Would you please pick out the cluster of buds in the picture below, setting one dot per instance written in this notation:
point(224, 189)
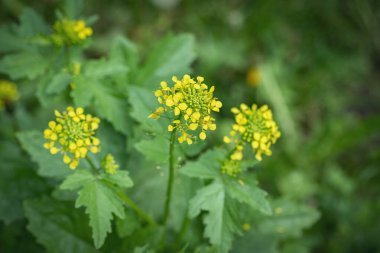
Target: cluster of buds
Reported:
point(189, 103)
point(70, 32)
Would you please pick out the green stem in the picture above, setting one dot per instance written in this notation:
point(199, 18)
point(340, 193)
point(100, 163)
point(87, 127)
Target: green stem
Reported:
point(137, 209)
point(182, 232)
point(92, 165)
point(169, 191)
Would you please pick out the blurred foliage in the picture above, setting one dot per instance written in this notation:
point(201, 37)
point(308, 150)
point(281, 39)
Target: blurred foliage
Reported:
point(317, 65)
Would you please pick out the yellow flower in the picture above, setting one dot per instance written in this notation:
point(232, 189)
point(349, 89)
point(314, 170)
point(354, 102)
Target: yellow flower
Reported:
point(8, 93)
point(109, 164)
point(190, 103)
point(254, 126)
point(253, 77)
point(73, 135)
point(70, 32)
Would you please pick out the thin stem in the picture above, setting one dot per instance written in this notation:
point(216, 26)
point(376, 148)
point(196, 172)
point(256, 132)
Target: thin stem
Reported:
point(92, 165)
point(182, 232)
point(135, 207)
point(169, 191)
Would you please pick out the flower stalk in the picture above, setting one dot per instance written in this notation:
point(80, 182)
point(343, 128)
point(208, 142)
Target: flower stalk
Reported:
point(169, 191)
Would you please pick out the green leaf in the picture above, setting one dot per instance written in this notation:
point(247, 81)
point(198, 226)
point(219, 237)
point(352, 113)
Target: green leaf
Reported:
point(289, 219)
point(250, 194)
point(9, 41)
point(31, 23)
point(49, 165)
point(143, 103)
point(108, 103)
point(123, 50)
point(101, 203)
point(56, 226)
point(18, 181)
point(59, 83)
point(121, 179)
point(206, 167)
point(77, 180)
point(219, 220)
point(172, 56)
point(97, 69)
point(155, 149)
point(73, 8)
point(26, 64)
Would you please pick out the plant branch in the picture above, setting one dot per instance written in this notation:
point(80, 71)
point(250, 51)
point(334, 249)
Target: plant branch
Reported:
point(136, 208)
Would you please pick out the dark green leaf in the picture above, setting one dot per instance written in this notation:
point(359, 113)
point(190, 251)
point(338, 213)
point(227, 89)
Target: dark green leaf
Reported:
point(56, 226)
point(172, 56)
point(49, 165)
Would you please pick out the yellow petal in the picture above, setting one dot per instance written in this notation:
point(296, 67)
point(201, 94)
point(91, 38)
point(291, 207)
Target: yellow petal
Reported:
point(202, 136)
point(193, 126)
point(66, 159)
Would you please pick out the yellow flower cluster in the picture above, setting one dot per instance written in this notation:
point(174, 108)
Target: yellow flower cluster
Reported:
point(70, 32)
point(8, 93)
point(255, 126)
point(190, 104)
point(73, 135)
point(109, 164)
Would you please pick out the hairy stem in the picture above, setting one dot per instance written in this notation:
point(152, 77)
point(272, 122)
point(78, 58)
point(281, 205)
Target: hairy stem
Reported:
point(92, 165)
point(169, 190)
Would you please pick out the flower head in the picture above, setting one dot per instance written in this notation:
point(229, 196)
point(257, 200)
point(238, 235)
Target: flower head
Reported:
point(73, 135)
point(8, 93)
point(109, 164)
point(190, 104)
point(254, 126)
point(70, 32)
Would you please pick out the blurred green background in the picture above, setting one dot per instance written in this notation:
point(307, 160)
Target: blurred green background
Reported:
point(315, 63)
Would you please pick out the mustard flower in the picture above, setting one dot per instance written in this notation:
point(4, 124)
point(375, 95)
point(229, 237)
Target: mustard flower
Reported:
point(73, 135)
point(70, 32)
point(189, 103)
point(109, 164)
point(8, 93)
point(254, 126)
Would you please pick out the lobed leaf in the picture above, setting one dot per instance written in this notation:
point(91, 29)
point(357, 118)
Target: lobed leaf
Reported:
point(48, 165)
point(206, 167)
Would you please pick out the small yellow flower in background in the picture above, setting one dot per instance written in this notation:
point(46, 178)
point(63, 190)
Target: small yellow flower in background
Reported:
point(253, 77)
point(73, 135)
point(70, 32)
point(190, 103)
point(109, 164)
point(246, 227)
point(254, 126)
point(8, 93)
